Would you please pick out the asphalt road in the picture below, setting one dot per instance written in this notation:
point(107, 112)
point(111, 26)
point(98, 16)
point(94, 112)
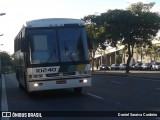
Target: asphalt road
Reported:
point(107, 93)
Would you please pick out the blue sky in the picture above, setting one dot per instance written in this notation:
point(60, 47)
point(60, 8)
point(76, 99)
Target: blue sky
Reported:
point(19, 11)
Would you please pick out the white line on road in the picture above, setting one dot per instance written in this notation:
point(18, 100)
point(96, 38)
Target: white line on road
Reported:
point(95, 96)
point(115, 82)
point(156, 80)
point(4, 105)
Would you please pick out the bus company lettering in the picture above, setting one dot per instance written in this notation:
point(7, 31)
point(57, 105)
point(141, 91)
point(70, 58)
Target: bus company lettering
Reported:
point(44, 70)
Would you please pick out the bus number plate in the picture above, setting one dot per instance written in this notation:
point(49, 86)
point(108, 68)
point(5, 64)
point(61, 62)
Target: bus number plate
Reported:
point(61, 82)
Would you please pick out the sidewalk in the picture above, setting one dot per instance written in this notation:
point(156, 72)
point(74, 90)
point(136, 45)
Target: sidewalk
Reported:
point(136, 74)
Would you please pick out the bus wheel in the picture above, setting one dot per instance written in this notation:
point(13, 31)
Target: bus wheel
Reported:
point(25, 83)
point(17, 76)
point(20, 86)
point(78, 90)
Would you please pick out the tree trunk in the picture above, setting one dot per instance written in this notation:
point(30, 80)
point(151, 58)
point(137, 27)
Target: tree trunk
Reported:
point(92, 60)
point(128, 62)
point(129, 59)
point(130, 55)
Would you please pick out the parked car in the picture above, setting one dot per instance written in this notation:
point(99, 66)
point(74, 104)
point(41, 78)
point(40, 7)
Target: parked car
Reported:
point(145, 66)
point(114, 67)
point(132, 66)
point(104, 67)
point(156, 66)
point(138, 66)
point(122, 66)
point(151, 63)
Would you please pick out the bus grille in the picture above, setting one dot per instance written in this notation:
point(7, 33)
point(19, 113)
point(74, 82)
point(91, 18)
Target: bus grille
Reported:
point(52, 75)
point(58, 74)
point(69, 73)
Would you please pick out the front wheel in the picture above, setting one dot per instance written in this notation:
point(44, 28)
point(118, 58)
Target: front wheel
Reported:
point(78, 90)
point(20, 86)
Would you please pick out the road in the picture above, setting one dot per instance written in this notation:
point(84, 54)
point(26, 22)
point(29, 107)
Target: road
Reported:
point(107, 93)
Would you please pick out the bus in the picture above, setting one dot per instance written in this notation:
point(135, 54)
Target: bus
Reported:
point(52, 54)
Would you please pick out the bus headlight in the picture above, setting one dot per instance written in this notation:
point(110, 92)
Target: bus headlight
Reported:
point(38, 84)
point(83, 81)
point(35, 84)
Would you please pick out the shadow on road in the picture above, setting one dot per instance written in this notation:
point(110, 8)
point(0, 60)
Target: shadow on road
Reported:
point(55, 94)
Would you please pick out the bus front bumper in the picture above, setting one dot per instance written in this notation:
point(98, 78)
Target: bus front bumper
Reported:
point(51, 84)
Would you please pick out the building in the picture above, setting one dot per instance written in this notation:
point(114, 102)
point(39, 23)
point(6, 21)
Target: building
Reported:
point(113, 55)
point(109, 56)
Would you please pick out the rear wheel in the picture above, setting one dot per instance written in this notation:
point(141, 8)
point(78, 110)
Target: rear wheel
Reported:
point(78, 90)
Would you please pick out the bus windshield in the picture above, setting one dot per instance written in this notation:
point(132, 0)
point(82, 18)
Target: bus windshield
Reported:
point(57, 45)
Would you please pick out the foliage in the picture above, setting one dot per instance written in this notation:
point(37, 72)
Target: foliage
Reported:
point(139, 7)
point(5, 59)
point(133, 27)
point(153, 51)
point(95, 33)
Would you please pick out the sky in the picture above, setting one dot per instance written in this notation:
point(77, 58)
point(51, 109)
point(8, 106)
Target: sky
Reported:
point(20, 11)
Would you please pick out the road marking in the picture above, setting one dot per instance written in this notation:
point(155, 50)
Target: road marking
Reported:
point(115, 82)
point(4, 105)
point(95, 96)
point(157, 88)
point(156, 80)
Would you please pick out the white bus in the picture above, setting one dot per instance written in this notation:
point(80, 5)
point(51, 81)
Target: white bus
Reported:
point(52, 54)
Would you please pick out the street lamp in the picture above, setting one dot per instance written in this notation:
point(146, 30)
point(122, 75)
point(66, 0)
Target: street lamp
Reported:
point(0, 63)
point(2, 14)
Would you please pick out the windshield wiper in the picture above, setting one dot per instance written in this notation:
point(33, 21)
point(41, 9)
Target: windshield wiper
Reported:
point(50, 56)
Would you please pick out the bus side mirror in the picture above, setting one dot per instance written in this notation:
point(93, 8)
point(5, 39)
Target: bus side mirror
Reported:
point(90, 44)
point(23, 45)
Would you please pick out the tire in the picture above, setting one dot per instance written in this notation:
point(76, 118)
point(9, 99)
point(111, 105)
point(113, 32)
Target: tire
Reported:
point(20, 86)
point(17, 76)
point(78, 90)
point(25, 83)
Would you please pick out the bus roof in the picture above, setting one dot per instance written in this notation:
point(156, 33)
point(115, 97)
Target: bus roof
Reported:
point(53, 22)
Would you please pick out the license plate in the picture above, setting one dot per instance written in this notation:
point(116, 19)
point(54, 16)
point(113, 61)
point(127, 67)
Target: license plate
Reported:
point(61, 82)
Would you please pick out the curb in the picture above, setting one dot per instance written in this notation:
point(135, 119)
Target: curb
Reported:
point(134, 75)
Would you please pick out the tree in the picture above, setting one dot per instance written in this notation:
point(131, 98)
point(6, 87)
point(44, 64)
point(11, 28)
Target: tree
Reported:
point(153, 52)
point(133, 27)
point(6, 62)
point(95, 33)
point(139, 7)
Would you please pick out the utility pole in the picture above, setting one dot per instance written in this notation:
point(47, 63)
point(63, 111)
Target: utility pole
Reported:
point(1, 14)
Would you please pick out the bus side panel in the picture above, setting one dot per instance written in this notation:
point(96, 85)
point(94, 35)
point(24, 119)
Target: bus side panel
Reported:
point(20, 68)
